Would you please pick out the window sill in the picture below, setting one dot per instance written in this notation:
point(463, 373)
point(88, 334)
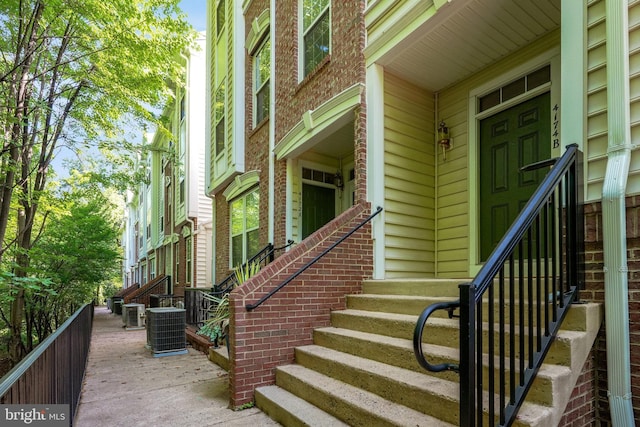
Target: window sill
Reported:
point(258, 126)
point(321, 66)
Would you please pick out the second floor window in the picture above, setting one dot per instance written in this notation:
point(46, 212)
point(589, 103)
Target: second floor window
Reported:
point(219, 120)
point(316, 30)
point(220, 16)
point(262, 73)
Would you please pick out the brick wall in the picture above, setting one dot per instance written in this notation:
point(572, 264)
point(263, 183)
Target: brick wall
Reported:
point(581, 409)
point(592, 407)
point(342, 69)
point(266, 337)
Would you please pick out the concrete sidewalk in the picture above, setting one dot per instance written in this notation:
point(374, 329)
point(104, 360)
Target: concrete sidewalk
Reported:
point(126, 386)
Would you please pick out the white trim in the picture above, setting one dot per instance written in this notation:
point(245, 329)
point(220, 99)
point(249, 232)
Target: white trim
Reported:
point(337, 207)
point(301, 34)
point(375, 163)
point(209, 158)
point(241, 183)
point(238, 76)
point(549, 57)
point(573, 76)
point(272, 131)
point(289, 197)
point(259, 27)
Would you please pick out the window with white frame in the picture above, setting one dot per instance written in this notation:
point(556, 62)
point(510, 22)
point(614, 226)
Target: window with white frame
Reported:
point(219, 120)
point(245, 221)
point(189, 261)
point(152, 268)
point(182, 144)
point(220, 16)
point(176, 254)
point(316, 32)
point(262, 74)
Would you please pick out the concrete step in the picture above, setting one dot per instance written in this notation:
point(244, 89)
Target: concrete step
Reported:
point(352, 405)
point(414, 287)
point(399, 353)
point(220, 356)
point(292, 411)
point(415, 305)
point(357, 406)
point(445, 332)
point(402, 386)
point(362, 370)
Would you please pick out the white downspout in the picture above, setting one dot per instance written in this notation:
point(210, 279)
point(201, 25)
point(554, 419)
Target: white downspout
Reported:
point(614, 216)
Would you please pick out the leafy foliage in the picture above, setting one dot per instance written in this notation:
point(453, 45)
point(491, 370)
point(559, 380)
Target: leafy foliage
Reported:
point(77, 253)
point(219, 313)
point(70, 70)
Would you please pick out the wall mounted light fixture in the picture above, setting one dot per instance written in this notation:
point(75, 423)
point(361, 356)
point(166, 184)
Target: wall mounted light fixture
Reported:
point(444, 139)
point(338, 181)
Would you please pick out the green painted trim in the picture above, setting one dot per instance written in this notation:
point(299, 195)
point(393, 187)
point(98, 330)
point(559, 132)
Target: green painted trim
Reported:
point(241, 183)
point(245, 5)
point(315, 123)
point(390, 22)
point(259, 28)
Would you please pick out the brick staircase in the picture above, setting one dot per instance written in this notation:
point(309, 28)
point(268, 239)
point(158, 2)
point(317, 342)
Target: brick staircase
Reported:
point(361, 371)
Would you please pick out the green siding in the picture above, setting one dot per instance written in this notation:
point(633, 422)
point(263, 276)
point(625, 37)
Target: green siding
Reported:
point(409, 180)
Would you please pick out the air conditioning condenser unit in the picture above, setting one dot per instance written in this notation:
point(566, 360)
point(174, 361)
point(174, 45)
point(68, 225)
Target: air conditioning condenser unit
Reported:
point(133, 316)
point(166, 331)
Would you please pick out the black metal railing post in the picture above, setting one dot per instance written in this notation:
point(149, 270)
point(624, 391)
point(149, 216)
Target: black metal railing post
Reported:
point(467, 355)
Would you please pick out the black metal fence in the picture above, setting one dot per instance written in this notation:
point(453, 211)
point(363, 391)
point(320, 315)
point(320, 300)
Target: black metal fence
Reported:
point(196, 305)
point(53, 372)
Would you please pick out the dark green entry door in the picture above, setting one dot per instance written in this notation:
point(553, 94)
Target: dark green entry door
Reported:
point(318, 207)
point(509, 140)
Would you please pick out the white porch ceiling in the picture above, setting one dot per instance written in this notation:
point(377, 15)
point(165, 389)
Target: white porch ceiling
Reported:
point(474, 34)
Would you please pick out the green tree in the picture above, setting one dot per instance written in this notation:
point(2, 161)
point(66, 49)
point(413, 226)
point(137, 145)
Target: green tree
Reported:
point(69, 70)
point(77, 253)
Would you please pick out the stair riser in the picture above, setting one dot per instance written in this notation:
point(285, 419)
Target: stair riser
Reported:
point(337, 407)
point(428, 287)
point(441, 333)
point(403, 357)
point(277, 412)
point(420, 399)
point(436, 287)
point(415, 306)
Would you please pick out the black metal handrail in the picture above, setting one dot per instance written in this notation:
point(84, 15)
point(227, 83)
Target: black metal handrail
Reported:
point(265, 256)
point(538, 267)
point(162, 285)
point(250, 307)
point(199, 307)
point(53, 372)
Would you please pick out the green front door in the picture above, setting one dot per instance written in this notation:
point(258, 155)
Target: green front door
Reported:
point(318, 207)
point(509, 140)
